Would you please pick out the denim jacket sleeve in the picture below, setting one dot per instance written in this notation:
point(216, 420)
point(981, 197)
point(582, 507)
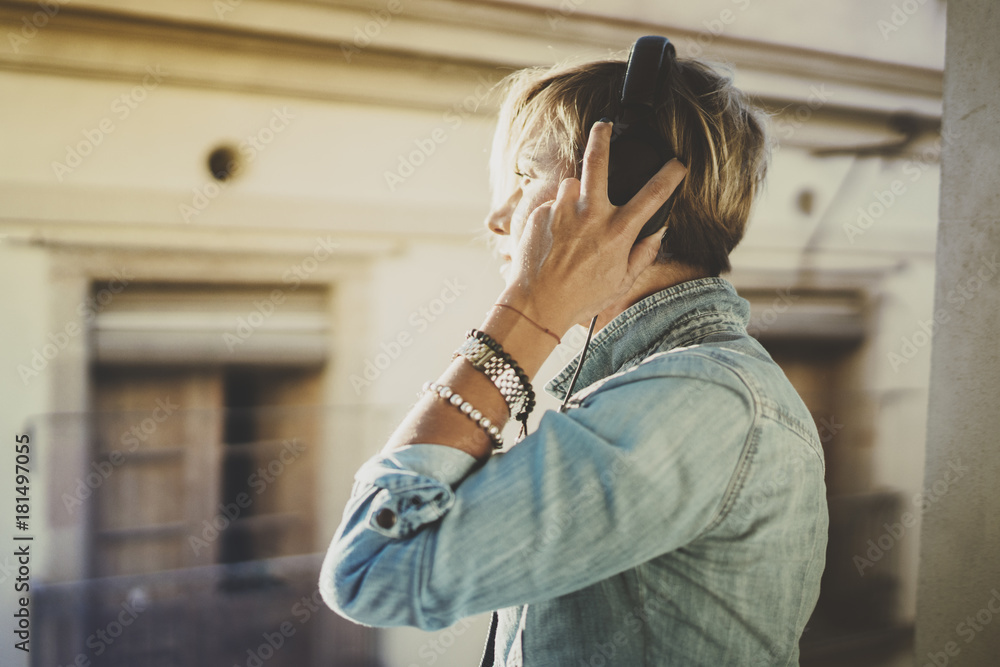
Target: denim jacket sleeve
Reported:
point(643, 466)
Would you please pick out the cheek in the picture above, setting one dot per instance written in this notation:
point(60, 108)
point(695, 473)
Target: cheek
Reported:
point(532, 199)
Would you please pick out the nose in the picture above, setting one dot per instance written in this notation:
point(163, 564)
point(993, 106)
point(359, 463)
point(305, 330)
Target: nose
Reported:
point(498, 220)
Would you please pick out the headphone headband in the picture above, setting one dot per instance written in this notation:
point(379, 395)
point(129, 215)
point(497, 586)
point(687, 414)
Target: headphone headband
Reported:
point(649, 58)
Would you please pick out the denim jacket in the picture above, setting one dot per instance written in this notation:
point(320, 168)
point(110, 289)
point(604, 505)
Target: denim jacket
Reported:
point(674, 515)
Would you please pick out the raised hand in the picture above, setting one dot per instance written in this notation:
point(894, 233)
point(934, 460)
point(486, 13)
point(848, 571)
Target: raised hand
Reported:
point(578, 255)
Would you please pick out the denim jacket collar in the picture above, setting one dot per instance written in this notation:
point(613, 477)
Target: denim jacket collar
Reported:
point(673, 317)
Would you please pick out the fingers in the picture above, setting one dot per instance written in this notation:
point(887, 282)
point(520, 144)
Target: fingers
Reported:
point(652, 195)
point(542, 212)
point(594, 179)
point(569, 191)
point(643, 254)
point(564, 206)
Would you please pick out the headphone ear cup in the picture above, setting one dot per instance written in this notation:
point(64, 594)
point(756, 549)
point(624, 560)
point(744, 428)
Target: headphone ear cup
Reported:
point(633, 159)
point(631, 165)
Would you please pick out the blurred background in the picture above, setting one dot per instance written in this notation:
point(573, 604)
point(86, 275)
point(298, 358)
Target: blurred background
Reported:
point(237, 235)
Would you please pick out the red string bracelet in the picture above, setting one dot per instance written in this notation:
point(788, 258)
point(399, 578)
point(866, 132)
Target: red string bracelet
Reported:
point(548, 331)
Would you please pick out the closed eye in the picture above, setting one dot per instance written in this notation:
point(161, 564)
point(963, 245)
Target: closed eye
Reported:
point(520, 172)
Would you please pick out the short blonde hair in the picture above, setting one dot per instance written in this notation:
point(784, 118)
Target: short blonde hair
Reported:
point(711, 126)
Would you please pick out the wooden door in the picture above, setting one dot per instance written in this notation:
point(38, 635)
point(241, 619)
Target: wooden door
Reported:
point(203, 466)
point(158, 446)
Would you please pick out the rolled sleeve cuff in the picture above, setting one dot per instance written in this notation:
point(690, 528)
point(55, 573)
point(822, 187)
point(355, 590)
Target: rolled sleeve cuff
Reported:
point(416, 485)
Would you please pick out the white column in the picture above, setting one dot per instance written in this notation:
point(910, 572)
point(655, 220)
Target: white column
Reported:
point(958, 600)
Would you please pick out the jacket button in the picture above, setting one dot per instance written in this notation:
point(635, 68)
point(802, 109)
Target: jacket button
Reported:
point(385, 518)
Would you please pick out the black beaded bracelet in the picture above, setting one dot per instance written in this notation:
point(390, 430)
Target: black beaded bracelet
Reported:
point(503, 371)
point(521, 375)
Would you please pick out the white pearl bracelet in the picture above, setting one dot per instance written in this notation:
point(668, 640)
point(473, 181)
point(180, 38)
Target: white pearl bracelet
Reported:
point(492, 430)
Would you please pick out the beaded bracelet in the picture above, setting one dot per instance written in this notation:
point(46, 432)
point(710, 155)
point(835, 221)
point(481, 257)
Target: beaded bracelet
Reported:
point(502, 371)
point(521, 375)
point(491, 429)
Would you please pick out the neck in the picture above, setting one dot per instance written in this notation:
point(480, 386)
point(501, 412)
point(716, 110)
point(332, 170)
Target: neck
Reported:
point(652, 280)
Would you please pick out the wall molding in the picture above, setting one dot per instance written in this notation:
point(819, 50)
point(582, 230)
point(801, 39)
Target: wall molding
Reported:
point(434, 49)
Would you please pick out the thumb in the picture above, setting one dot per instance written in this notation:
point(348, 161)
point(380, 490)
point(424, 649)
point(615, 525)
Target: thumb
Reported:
point(644, 253)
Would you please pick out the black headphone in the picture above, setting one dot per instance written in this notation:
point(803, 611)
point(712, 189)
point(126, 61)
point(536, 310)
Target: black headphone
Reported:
point(638, 150)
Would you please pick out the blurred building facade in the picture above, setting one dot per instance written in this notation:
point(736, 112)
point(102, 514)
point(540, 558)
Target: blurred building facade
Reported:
point(239, 235)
